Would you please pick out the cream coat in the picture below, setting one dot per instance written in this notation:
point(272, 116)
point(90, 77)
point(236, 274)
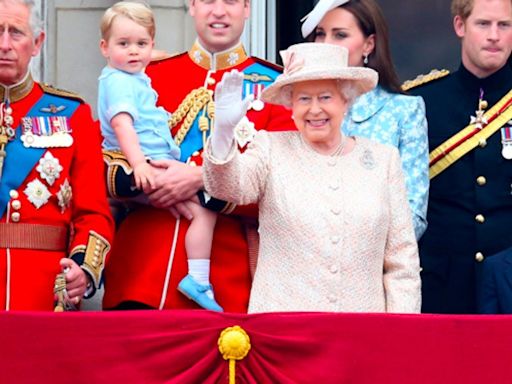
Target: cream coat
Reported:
point(336, 231)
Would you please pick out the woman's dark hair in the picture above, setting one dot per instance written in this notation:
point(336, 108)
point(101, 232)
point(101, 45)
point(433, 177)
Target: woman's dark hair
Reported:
point(371, 20)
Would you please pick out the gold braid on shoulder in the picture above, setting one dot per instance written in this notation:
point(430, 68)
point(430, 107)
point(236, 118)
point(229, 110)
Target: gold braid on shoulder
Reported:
point(188, 110)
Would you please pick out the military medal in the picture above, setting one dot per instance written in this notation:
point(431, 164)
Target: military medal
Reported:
point(244, 132)
point(257, 104)
point(479, 120)
point(64, 196)
point(506, 141)
point(37, 193)
point(46, 132)
point(49, 168)
point(7, 133)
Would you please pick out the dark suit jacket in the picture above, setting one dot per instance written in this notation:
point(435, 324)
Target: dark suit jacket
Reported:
point(467, 220)
point(494, 294)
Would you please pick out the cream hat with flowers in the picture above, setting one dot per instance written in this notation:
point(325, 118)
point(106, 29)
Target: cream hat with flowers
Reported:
point(317, 61)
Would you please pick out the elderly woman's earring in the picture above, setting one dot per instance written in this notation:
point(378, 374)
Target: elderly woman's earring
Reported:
point(365, 60)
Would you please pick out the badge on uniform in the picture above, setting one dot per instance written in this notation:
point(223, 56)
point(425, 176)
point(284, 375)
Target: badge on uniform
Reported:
point(256, 89)
point(244, 132)
point(49, 168)
point(52, 108)
point(64, 196)
point(506, 141)
point(46, 132)
point(37, 193)
point(479, 120)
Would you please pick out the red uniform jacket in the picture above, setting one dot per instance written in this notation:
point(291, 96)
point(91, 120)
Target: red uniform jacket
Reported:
point(148, 258)
point(52, 197)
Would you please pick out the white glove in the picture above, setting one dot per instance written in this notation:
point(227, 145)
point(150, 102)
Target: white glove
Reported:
point(229, 110)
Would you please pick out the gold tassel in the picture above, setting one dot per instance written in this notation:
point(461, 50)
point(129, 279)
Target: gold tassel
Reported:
point(234, 344)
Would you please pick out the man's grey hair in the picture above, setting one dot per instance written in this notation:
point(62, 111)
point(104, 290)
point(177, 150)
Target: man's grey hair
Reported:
point(36, 23)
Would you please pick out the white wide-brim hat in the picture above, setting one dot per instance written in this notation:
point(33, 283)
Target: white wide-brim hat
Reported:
point(317, 61)
point(314, 17)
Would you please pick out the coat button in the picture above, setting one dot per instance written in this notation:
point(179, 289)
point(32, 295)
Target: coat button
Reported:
point(336, 211)
point(479, 256)
point(14, 194)
point(15, 217)
point(16, 204)
point(482, 143)
point(335, 239)
point(480, 218)
point(332, 299)
point(481, 180)
point(333, 269)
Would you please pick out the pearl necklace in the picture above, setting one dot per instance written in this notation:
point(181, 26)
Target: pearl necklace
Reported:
point(339, 149)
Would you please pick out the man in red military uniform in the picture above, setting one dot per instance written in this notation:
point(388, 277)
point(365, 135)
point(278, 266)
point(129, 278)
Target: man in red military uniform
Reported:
point(54, 214)
point(148, 258)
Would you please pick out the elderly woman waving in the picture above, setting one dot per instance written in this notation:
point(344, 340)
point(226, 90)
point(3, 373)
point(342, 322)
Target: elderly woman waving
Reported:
point(335, 226)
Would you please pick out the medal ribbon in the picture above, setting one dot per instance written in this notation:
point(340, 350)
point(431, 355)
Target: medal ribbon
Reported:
point(467, 139)
point(20, 160)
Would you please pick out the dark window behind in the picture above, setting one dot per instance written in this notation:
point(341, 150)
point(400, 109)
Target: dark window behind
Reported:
point(421, 32)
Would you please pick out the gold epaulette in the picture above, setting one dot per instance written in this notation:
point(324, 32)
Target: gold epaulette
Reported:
point(434, 74)
point(47, 88)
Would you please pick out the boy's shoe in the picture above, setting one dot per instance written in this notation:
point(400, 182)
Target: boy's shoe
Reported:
point(199, 293)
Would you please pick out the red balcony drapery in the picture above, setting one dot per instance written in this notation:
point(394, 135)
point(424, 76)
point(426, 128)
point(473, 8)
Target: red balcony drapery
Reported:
point(181, 347)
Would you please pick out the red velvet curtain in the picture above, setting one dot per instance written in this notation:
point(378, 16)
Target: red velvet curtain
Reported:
point(146, 347)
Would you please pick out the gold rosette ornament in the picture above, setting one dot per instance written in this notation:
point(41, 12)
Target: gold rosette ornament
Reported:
point(234, 344)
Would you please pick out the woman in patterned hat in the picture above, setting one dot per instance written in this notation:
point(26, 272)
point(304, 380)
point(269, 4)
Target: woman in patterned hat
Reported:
point(335, 228)
point(384, 114)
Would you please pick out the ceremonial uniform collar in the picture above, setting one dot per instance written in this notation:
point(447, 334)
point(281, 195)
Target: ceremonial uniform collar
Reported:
point(219, 60)
point(497, 80)
point(17, 91)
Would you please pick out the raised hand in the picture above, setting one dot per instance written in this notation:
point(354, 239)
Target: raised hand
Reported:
point(229, 110)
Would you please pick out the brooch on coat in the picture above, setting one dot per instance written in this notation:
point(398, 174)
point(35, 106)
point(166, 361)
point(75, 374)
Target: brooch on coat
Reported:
point(367, 160)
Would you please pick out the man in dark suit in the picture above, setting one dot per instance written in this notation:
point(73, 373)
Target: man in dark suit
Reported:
point(468, 113)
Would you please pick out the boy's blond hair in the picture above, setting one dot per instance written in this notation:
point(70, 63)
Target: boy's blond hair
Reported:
point(140, 13)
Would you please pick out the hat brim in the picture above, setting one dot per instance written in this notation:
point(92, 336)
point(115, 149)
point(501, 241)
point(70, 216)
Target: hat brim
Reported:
point(363, 79)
